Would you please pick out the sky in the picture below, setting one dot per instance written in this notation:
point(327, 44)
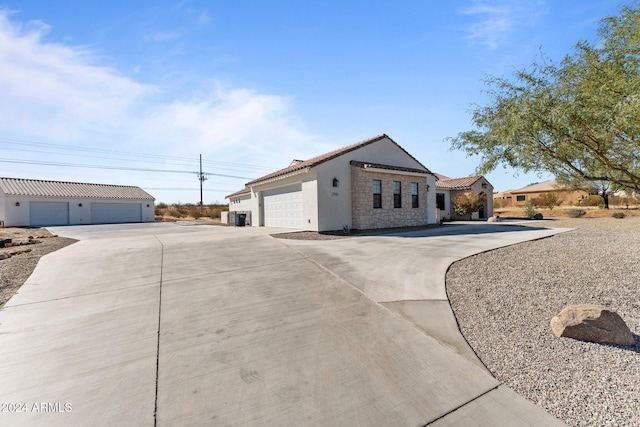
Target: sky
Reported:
point(133, 92)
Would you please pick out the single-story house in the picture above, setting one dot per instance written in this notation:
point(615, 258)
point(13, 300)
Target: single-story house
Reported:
point(448, 188)
point(35, 203)
point(520, 197)
point(368, 185)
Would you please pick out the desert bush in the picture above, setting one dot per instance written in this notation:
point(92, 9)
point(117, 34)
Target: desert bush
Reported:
point(468, 202)
point(618, 215)
point(194, 211)
point(592, 200)
point(529, 210)
point(174, 211)
point(547, 200)
point(576, 213)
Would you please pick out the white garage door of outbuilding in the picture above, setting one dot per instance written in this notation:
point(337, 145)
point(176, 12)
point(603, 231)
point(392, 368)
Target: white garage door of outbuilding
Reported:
point(114, 213)
point(48, 213)
point(283, 207)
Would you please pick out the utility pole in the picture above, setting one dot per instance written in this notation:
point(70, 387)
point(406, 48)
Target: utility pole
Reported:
point(202, 177)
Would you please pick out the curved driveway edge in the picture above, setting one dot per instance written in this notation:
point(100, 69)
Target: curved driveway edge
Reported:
point(161, 324)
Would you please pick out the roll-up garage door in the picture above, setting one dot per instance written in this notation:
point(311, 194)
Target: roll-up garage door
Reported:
point(283, 207)
point(114, 213)
point(48, 213)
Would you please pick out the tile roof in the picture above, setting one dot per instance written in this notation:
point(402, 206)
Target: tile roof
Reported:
point(457, 183)
point(245, 190)
point(301, 166)
point(366, 165)
point(550, 185)
point(35, 187)
point(440, 176)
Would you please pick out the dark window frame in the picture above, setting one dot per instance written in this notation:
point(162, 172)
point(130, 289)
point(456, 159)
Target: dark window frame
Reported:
point(415, 198)
point(377, 193)
point(397, 194)
point(521, 198)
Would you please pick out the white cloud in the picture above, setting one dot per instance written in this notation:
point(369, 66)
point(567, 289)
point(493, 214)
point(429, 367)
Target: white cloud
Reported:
point(235, 124)
point(52, 90)
point(497, 20)
point(57, 93)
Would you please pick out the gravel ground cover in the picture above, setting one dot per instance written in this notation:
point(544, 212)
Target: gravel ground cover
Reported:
point(16, 270)
point(504, 300)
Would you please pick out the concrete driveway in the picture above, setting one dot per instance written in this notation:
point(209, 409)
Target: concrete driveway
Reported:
point(165, 324)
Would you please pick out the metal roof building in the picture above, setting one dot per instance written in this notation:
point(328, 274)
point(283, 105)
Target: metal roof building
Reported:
point(36, 203)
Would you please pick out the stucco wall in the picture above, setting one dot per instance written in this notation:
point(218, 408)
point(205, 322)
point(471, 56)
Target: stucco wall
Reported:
point(334, 203)
point(19, 216)
point(240, 203)
point(568, 197)
point(365, 216)
point(2, 207)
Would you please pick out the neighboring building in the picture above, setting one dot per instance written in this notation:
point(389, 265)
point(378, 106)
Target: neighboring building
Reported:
point(36, 203)
point(448, 188)
point(372, 184)
point(523, 195)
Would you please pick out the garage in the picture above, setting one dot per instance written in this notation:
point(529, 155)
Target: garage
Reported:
point(115, 213)
point(39, 203)
point(48, 213)
point(283, 207)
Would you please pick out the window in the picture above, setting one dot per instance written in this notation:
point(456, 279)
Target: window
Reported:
point(414, 195)
point(521, 198)
point(440, 201)
point(377, 193)
point(397, 194)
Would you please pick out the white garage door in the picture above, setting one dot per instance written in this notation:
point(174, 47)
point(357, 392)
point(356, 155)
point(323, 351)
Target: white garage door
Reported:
point(114, 213)
point(283, 207)
point(48, 213)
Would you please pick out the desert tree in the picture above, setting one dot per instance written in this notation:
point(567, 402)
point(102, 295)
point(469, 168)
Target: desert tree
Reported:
point(464, 204)
point(578, 119)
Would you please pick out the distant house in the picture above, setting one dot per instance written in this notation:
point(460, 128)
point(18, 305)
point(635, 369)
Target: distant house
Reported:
point(36, 203)
point(448, 188)
point(520, 197)
point(368, 185)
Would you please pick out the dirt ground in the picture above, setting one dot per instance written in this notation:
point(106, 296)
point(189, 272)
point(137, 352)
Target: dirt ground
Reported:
point(561, 212)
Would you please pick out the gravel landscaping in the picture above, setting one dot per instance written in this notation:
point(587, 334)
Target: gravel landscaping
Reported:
point(504, 300)
point(16, 270)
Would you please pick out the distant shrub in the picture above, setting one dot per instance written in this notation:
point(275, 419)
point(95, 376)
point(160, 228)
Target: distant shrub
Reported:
point(194, 211)
point(576, 213)
point(592, 200)
point(529, 210)
point(618, 215)
point(547, 200)
point(174, 211)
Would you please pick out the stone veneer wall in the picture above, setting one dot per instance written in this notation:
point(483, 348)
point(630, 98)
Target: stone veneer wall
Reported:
point(365, 217)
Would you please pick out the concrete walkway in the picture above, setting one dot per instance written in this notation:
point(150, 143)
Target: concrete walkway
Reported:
point(164, 324)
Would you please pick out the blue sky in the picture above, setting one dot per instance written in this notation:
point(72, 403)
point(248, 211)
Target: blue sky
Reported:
point(132, 92)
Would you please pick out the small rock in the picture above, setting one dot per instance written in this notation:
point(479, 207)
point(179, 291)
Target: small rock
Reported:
point(4, 256)
point(591, 323)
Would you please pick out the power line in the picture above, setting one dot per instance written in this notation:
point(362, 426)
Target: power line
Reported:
point(144, 156)
point(76, 165)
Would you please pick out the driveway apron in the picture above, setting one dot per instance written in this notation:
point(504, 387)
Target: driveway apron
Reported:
point(170, 325)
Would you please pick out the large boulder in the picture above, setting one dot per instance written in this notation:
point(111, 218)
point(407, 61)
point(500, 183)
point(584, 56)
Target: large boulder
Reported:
point(591, 323)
